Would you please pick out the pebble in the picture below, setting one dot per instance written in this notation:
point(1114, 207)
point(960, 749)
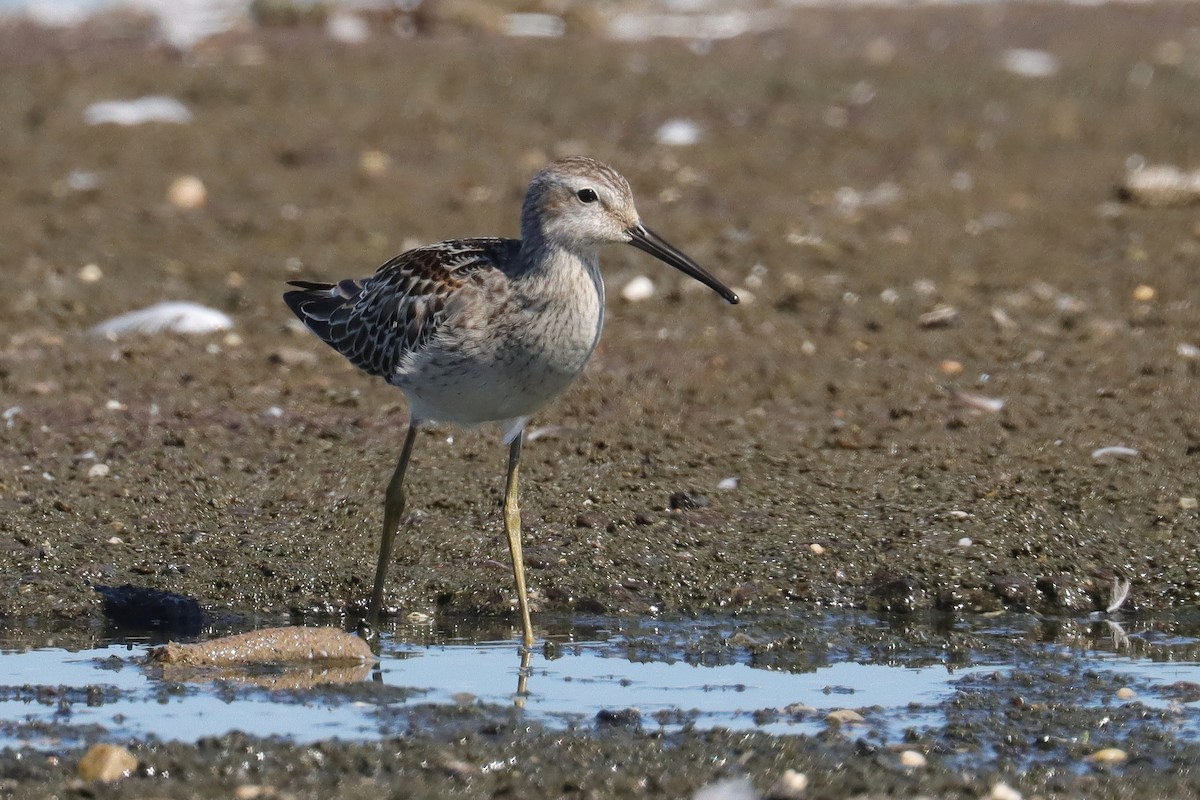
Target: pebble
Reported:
point(638, 289)
point(1125, 693)
point(1002, 791)
point(1189, 503)
point(106, 763)
point(1109, 755)
point(187, 192)
point(293, 357)
point(951, 367)
point(1029, 63)
point(90, 273)
point(965, 542)
point(727, 484)
point(912, 759)
point(98, 471)
point(816, 549)
point(879, 51)
point(844, 716)
point(1144, 293)
point(790, 786)
point(374, 163)
point(347, 28)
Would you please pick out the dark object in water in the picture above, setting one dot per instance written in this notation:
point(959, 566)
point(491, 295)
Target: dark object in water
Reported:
point(154, 609)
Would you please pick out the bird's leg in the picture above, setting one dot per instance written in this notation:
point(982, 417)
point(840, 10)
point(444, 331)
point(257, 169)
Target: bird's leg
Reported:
point(512, 527)
point(393, 508)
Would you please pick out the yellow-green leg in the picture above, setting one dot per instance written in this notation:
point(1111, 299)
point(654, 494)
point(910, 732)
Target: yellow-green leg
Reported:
point(393, 508)
point(512, 527)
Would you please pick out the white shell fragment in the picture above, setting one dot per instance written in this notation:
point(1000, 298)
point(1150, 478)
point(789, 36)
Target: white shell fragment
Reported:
point(731, 789)
point(678, 133)
point(941, 317)
point(638, 289)
point(1116, 451)
point(151, 108)
point(790, 786)
point(347, 28)
point(174, 316)
point(979, 402)
point(1161, 186)
point(1119, 594)
point(1030, 63)
point(546, 26)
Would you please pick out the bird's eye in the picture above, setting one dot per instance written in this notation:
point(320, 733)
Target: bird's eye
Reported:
point(587, 195)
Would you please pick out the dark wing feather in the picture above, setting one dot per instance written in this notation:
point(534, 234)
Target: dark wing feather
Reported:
point(374, 322)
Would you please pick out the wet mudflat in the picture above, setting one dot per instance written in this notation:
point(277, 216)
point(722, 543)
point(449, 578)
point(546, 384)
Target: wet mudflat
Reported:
point(949, 319)
point(937, 703)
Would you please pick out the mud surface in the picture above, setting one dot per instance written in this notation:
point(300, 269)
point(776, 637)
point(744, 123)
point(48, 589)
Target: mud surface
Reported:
point(855, 171)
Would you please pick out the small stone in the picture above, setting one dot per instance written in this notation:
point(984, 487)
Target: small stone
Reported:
point(1002, 791)
point(107, 763)
point(417, 617)
point(374, 163)
point(1125, 693)
point(686, 501)
point(940, 317)
point(1109, 755)
point(90, 273)
point(965, 542)
point(951, 367)
point(879, 52)
point(844, 716)
point(187, 192)
point(790, 786)
point(727, 484)
point(97, 471)
point(817, 549)
point(1144, 293)
point(638, 289)
point(1189, 503)
point(293, 357)
point(911, 759)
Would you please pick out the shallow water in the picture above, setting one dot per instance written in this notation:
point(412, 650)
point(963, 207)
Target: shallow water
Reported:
point(775, 675)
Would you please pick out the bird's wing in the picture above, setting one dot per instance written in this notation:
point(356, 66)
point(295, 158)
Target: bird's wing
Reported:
point(376, 321)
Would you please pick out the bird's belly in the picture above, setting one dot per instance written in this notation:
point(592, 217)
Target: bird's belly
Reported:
point(498, 381)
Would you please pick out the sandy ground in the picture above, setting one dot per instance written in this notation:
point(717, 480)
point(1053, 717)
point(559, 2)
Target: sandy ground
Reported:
point(855, 171)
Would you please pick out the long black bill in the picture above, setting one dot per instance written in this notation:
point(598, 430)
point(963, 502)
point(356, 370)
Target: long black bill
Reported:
point(647, 240)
